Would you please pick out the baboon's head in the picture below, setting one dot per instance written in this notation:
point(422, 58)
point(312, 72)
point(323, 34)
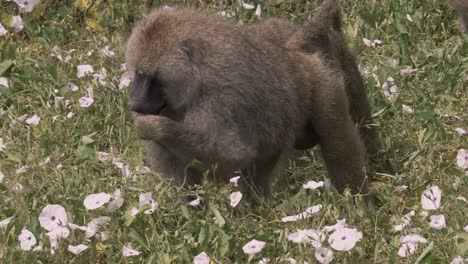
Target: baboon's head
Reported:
point(164, 53)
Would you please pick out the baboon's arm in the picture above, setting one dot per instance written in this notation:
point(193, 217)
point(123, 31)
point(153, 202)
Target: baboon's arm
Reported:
point(190, 141)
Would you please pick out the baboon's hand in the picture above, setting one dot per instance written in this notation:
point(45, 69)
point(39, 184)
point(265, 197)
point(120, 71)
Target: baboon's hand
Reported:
point(148, 127)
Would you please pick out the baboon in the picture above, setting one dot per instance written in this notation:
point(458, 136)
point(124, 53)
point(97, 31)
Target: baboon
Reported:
point(207, 89)
point(324, 34)
point(462, 7)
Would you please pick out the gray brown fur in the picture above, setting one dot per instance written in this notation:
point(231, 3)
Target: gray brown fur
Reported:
point(462, 8)
point(324, 34)
point(236, 101)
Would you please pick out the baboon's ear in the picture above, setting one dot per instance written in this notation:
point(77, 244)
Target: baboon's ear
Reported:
point(195, 49)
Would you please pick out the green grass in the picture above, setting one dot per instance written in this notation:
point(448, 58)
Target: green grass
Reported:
point(419, 149)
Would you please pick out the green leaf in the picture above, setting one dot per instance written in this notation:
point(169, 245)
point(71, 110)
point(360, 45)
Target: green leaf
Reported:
point(4, 66)
point(425, 252)
point(219, 219)
point(52, 69)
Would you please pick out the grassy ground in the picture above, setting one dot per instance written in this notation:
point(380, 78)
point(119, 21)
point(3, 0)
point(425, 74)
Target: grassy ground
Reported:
point(419, 148)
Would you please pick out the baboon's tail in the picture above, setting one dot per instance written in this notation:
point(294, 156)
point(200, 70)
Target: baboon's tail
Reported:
point(328, 15)
point(314, 36)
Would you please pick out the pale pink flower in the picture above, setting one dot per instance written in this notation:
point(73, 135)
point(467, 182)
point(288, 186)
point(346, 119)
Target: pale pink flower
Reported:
point(116, 202)
point(312, 185)
point(324, 255)
point(77, 249)
point(1, 176)
point(405, 221)
point(4, 82)
point(52, 217)
point(17, 23)
point(462, 159)
point(430, 198)
point(4, 223)
point(33, 120)
point(3, 31)
point(127, 251)
point(234, 181)
point(344, 239)
point(201, 258)
point(245, 5)
point(306, 214)
point(253, 246)
point(457, 260)
point(96, 200)
point(235, 198)
point(339, 224)
point(27, 240)
point(83, 70)
point(438, 221)
point(26, 6)
point(195, 203)
point(407, 109)
point(2, 145)
point(258, 11)
point(461, 131)
point(310, 236)
point(95, 225)
point(146, 198)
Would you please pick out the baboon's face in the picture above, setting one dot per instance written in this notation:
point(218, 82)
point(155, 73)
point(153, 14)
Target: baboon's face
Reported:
point(147, 94)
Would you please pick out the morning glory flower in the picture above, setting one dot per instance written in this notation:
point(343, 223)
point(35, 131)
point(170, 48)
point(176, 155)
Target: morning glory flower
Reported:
point(52, 217)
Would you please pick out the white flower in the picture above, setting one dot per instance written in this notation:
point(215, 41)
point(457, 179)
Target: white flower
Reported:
point(459, 198)
point(22, 169)
point(252, 247)
point(400, 188)
point(106, 52)
point(56, 235)
point(27, 5)
point(45, 162)
point(227, 14)
point(53, 216)
point(465, 228)
point(245, 5)
point(461, 131)
point(201, 258)
point(142, 169)
point(423, 214)
point(430, 198)
point(73, 87)
point(234, 181)
point(437, 221)
point(4, 82)
point(407, 71)
point(34, 120)
point(127, 251)
point(390, 90)
point(3, 31)
point(17, 23)
point(133, 211)
point(96, 200)
point(409, 244)
point(405, 221)
point(264, 261)
point(195, 202)
point(4, 223)
point(101, 76)
point(2, 112)
point(86, 101)
point(407, 249)
point(117, 201)
point(83, 70)
point(312, 236)
point(2, 145)
point(306, 214)
point(73, 227)
point(145, 198)
point(312, 185)
point(371, 43)
point(70, 115)
point(27, 240)
point(235, 198)
point(407, 109)
point(1, 176)
point(125, 79)
point(462, 159)
point(324, 255)
point(77, 249)
point(95, 224)
point(258, 11)
point(457, 260)
point(126, 172)
point(344, 239)
point(413, 238)
point(409, 18)
point(339, 224)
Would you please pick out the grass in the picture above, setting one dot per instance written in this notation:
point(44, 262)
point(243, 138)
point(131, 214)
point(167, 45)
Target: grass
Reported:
point(419, 149)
